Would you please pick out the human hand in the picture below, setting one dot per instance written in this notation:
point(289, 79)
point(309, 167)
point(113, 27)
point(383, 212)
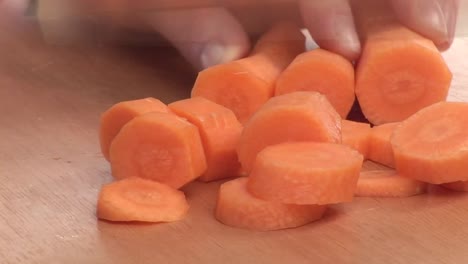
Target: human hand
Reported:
point(207, 32)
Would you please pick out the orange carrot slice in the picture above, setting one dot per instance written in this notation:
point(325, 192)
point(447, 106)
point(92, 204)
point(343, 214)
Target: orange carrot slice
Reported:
point(324, 72)
point(119, 114)
point(160, 147)
point(246, 84)
point(356, 135)
point(298, 116)
point(220, 131)
point(387, 183)
point(399, 72)
point(380, 148)
point(306, 173)
point(430, 146)
point(136, 199)
point(236, 207)
point(461, 186)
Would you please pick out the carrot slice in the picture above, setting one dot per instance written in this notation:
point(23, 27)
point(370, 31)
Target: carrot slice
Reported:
point(298, 116)
point(324, 72)
point(399, 72)
point(160, 147)
point(430, 146)
point(380, 148)
point(387, 183)
point(220, 131)
point(246, 84)
point(136, 199)
point(119, 114)
point(306, 173)
point(356, 135)
point(236, 207)
point(461, 186)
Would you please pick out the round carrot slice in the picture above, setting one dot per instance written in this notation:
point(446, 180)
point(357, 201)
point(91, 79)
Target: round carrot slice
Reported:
point(236, 207)
point(219, 130)
point(387, 183)
point(298, 116)
point(321, 71)
point(430, 146)
point(119, 114)
point(136, 199)
point(160, 147)
point(461, 186)
point(306, 173)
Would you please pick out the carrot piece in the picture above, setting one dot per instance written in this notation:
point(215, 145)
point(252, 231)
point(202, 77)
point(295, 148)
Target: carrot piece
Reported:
point(387, 183)
point(306, 173)
point(380, 148)
point(356, 135)
point(430, 146)
point(399, 72)
point(324, 72)
point(246, 84)
point(136, 199)
point(160, 147)
point(236, 207)
point(461, 186)
point(298, 116)
point(220, 131)
point(119, 114)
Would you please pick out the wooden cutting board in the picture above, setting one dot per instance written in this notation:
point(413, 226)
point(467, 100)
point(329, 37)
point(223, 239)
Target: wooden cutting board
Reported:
point(51, 170)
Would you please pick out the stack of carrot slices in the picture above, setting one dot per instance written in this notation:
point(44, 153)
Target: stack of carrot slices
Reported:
point(275, 124)
point(172, 146)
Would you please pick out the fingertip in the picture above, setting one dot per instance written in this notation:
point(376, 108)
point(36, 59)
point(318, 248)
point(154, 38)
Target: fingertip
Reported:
point(434, 19)
point(444, 46)
point(351, 55)
point(214, 53)
point(204, 36)
point(331, 25)
point(350, 51)
point(350, 48)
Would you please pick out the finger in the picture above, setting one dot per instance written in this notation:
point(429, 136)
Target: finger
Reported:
point(257, 19)
point(255, 16)
point(205, 36)
point(158, 5)
point(331, 25)
point(434, 19)
point(63, 23)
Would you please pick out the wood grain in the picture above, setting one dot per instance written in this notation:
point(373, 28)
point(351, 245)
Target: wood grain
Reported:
point(51, 170)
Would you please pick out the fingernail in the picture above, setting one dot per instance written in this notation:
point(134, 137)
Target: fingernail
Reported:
point(215, 53)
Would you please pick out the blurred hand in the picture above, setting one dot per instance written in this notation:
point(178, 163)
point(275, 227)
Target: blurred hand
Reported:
point(219, 33)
